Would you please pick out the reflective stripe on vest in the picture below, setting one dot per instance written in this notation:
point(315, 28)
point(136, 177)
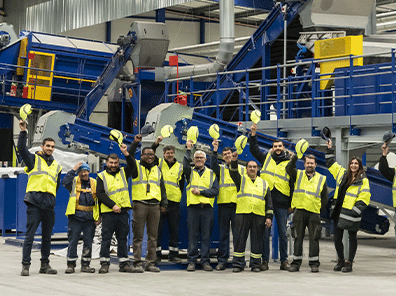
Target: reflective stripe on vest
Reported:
point(143, 180)
point(203, 182)
point(172, 177)
point(43, 178)
point(251, 196)
point(394, 190)
point(116, 190)
point(227, 188)
point(303, 198)
point(279, 181)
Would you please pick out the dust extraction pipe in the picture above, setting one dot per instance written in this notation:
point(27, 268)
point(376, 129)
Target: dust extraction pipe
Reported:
point(226, 47)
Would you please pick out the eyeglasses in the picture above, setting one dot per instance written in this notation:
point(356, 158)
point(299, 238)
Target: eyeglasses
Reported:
point(148, 154)
point(199, 157)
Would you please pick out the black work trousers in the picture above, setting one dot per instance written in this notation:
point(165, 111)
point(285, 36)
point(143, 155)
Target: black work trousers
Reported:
point(339, 246)
point(173, 217)
point(301, 220)
point(35, 216)
point(243, 224)
point(115, 223)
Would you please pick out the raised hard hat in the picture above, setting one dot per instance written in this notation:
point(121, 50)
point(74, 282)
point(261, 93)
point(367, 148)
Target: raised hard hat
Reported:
point(166, 131)
point(325, 133)
point(192, 134)
point(146, 130)
point(25, 111)
point(301, 147)
point(214, 131)
point(117, 136)
point(240, 143)
point(388, 137)
point(255, 116)
point(84, 167)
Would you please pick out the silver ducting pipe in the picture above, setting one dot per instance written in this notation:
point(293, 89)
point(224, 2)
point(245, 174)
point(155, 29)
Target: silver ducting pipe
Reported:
point(226, 47)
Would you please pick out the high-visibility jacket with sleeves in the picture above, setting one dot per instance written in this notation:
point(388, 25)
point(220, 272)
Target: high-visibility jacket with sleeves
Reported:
point(203, 182)
point(227, 188)
point(43, 178)
point(394, 190)
point(275, 174)
point(116, 188)
point(357, 198)
point(74, 198)
point(146, 179)
point(251, 196)
point(307, 192)
point(172, 176)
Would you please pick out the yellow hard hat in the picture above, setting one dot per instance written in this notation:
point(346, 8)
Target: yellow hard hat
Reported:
point(255, 116)
point(301, 147)
point(166, 131)
point(117, 136)
point(214, 131)
point(25, 111)
point(192, 134)
point(240, 143)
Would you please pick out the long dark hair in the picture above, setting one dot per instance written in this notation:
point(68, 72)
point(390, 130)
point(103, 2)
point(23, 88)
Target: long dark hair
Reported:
point(358, 173)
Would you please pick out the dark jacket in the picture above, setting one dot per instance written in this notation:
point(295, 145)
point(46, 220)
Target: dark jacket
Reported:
point(279, 199)
point(43, 200)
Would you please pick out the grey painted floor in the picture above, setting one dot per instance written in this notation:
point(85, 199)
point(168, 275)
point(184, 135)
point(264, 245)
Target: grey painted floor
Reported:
point(374, 274)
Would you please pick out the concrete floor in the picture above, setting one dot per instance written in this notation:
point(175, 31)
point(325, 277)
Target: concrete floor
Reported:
point(374, 274)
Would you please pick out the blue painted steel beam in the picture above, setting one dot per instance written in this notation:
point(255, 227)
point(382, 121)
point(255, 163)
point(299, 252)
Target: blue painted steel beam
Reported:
point(261, 4)
point(108, 32)
point(160, 15)
point(202, 31)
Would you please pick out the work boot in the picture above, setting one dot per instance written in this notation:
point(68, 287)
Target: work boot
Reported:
point(207, 267)
point(25, 270)
point(152, 268)
point(127, 268)
point(237, 269)
point(46, 268)
point(314, 268)
point(285, 265)
point(340, 265)
point(264, 266)
point(256, 269)
point(104, 268)
point(87, 269)
point(191, 267)
point(294, 268)
point(139, 269)
point(220, 266)
point(347, 267)
point(69, 269)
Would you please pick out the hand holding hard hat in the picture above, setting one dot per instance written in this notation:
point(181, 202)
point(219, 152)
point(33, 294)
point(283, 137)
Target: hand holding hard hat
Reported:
point(214, 131)
point(192, 134)
point(240, 143)
point(255, 116)
point(166, 131)
point(388, 137)
point(24, 111)
point(301, 147)
point(117, 136)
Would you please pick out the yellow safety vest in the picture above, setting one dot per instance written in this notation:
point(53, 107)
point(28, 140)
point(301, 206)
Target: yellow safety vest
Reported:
point(172, 177)
point(394, 190)
point(275, 175)
point(203, 182)
point(145, 177)
point(307, 192)
point(354, 193)
point(227, 188)
point(74, 198)
point(43, 178)
point(116, 188)
point(251, 196)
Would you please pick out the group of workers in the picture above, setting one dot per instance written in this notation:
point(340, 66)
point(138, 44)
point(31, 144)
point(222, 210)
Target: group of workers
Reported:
point(247, 201)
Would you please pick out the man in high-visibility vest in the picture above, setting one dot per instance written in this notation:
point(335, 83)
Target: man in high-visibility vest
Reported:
point(274, 172)
point(202, 189)
point(172, 172)
point(387, 172)
point(226, 202)
point(83, 215)
point(253, 214)
point(309, 197)
point(148, 196)
point(113, 194)
point(43, 183)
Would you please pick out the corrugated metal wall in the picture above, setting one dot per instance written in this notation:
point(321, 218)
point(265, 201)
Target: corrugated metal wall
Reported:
point(57, 16)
